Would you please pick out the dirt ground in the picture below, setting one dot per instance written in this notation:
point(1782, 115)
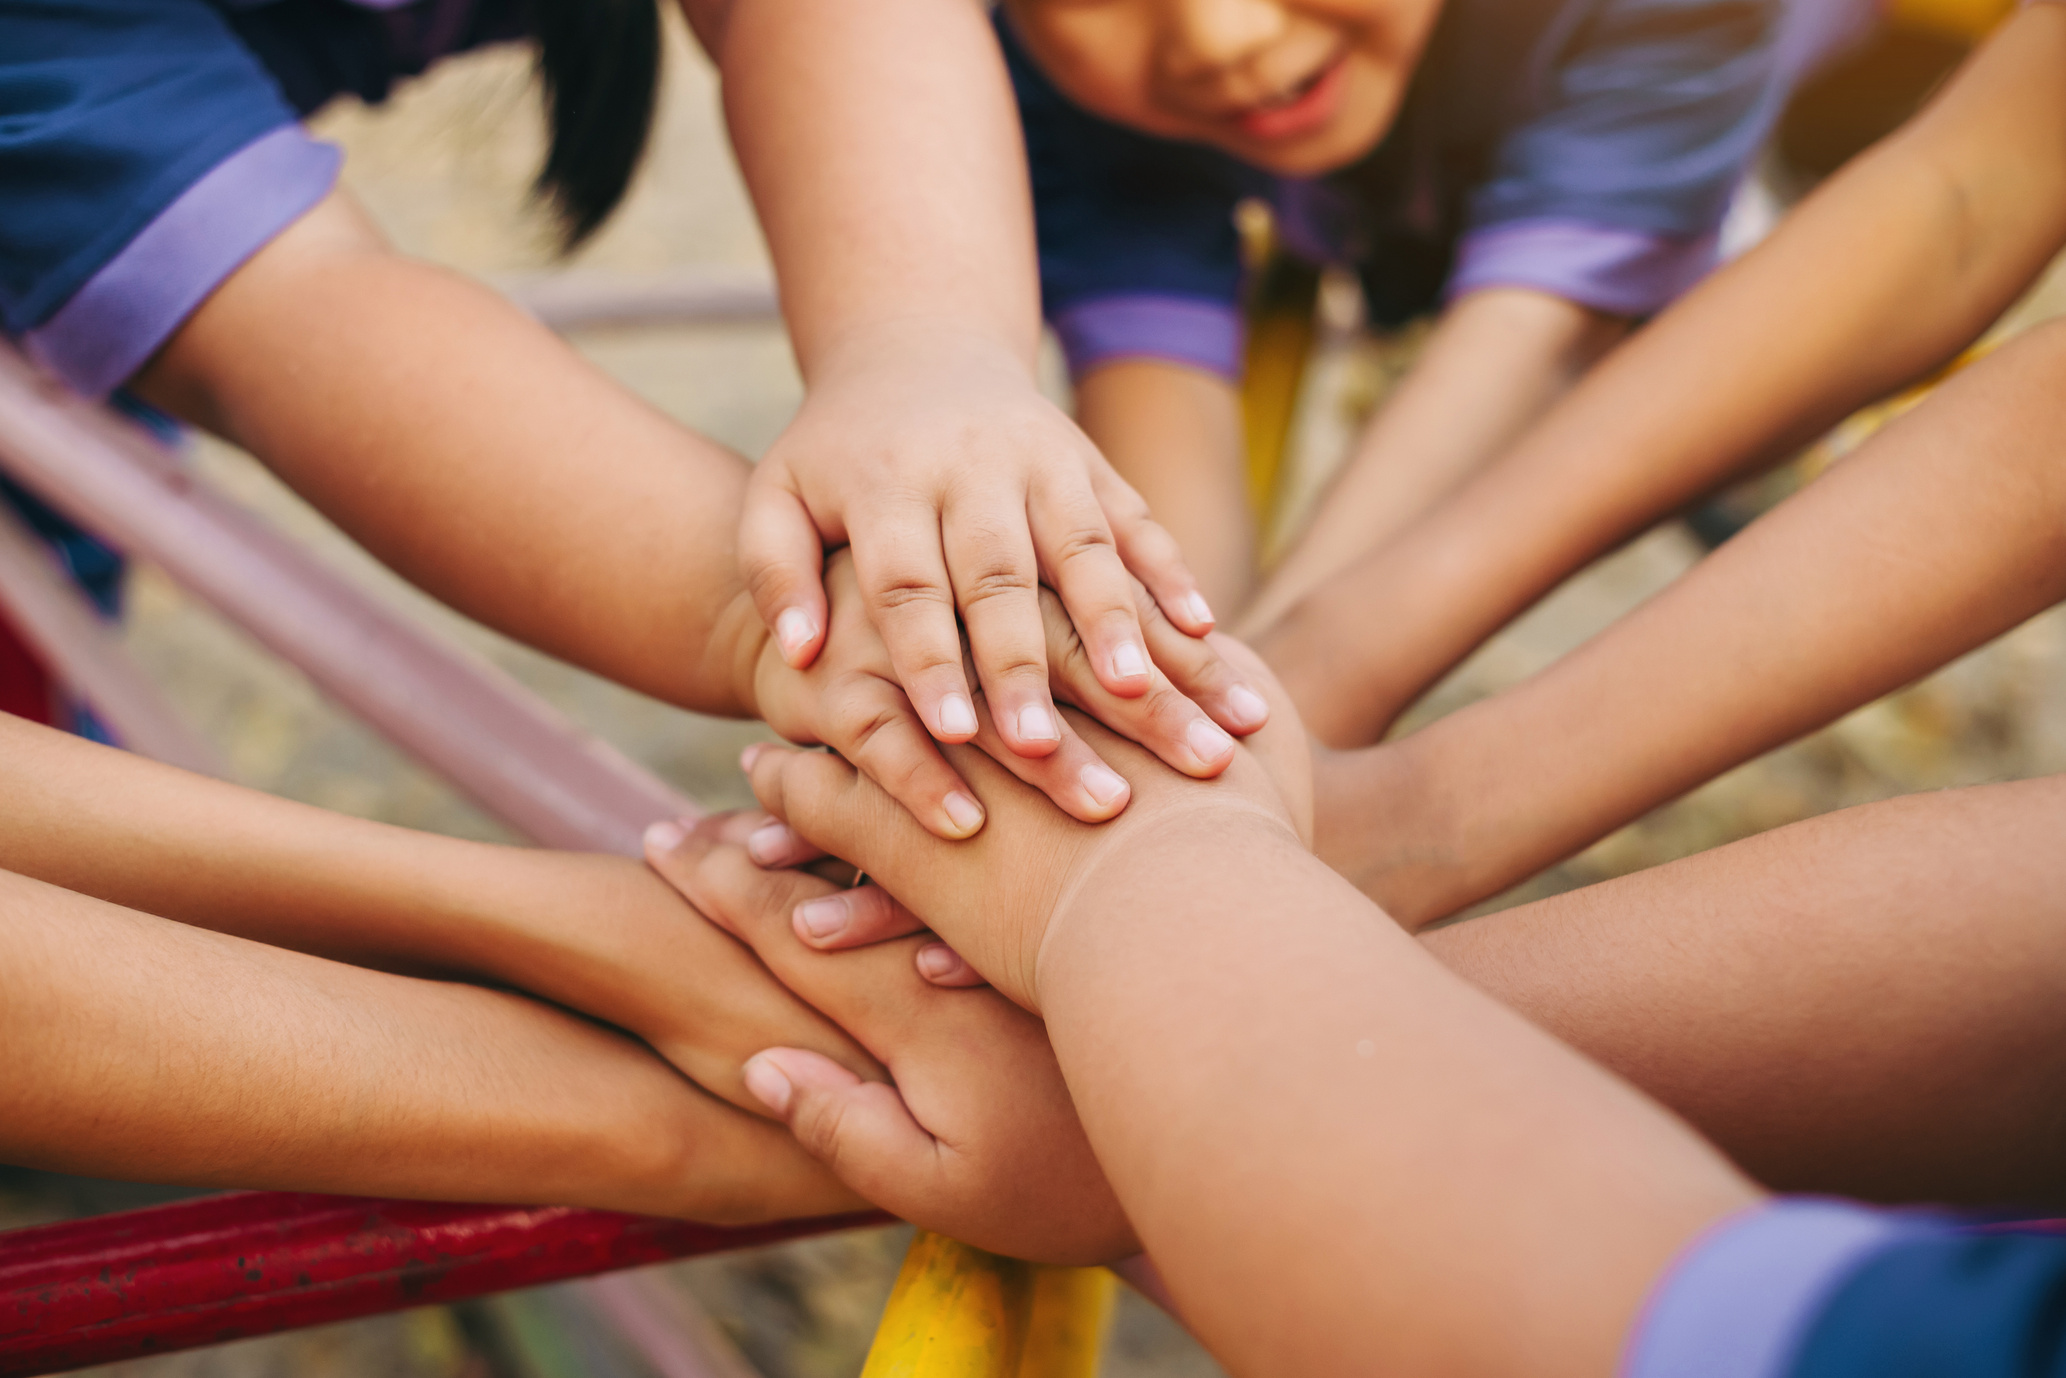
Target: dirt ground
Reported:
point(444, 167)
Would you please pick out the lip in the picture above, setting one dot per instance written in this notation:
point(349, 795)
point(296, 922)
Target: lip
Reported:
point(1312, 108)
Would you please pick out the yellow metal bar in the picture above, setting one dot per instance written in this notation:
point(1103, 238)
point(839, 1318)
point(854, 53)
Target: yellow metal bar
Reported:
point(958, 1312)
point(1280, 337)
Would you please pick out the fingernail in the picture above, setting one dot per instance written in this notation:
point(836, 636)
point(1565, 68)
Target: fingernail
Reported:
point(1208, 741)
point(1200, 610)
point(1247, 707)
point(1036, 724)
point(1129, 661)
point(965, 813)
point(794, 629)
point(822, 918)
point(770, 843)
point(665, 836)
point(765, 1080)
point(936, 960)
point(1102, 783)
point(957, 716)
point(750, 755)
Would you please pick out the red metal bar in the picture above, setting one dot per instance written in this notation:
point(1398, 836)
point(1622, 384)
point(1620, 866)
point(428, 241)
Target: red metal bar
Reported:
point(587, 300)
point(231, 1267)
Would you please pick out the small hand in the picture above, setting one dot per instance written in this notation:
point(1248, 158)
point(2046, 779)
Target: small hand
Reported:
point(978, 1138)
point(960, 489)
point(993, 897)
point(849, 699)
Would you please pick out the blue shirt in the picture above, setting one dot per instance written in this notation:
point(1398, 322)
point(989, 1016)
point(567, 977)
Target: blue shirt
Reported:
point(1822, 1289)
point(149, 147)
point(1587, 148)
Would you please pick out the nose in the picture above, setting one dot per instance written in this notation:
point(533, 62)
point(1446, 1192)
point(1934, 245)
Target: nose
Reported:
point(1205, 35)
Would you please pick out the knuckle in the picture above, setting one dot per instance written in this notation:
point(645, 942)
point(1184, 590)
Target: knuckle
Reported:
point(1083, 541)
point(999, 581)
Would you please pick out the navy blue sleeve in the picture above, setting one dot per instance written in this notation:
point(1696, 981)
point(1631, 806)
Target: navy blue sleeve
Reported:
point(144, 154)
point(1972, 1305)
point(1138, 250)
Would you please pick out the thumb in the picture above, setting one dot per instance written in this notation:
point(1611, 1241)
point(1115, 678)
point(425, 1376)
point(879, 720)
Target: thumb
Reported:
point(782, 560)
point(862, 1130)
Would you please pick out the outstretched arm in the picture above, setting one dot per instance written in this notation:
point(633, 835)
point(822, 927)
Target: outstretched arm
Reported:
point(601, 935)
point(1880, 276)
point(149, 1050)
point(1498, 359)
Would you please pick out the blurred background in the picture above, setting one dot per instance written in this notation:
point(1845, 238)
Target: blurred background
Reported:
point(445, 168)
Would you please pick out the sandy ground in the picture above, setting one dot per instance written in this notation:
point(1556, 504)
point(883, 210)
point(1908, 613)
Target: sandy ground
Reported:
point(444, 168)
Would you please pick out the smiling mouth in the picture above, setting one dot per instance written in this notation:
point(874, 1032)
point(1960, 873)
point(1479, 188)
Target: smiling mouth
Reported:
point(1298, 110)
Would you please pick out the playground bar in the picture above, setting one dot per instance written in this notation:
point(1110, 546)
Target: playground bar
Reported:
point(230, 1267)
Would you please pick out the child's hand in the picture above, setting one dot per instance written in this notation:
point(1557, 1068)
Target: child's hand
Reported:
point(959, 488)
point(978, 1139)
point(993, 896)
point(849, 699)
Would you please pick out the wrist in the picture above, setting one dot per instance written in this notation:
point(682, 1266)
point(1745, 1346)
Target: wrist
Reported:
point(740, 648)
point(920, 342)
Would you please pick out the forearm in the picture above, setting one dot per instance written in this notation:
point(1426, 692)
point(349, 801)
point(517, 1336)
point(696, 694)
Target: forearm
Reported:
point(1369, 1132)
point(147, 1050)
point(1864, 1004)
point(1964, 207)
point(1497, 360)
point(476, 454)
point(1174, 433)
point(1941, 534)
point(882, 148)
point(601, 935)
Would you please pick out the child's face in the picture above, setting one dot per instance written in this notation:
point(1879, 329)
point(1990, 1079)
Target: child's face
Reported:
point(1295, 86)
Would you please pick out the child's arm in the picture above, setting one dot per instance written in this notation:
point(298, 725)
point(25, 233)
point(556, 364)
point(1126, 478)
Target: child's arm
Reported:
point(601, 935)
point(1884, 273)
point(153, 1051)
point(1374, 1167)
point(1939, 535)
point(884, 155)
point(487, 462)
point(1498, 358)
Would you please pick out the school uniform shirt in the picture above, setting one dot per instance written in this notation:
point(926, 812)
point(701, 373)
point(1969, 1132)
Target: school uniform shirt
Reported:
point(149, 147)
point(1804, 1288)
point(1586, 148)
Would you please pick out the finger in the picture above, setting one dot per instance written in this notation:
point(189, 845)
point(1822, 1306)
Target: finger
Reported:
point(871, 723)
point(853, 917)
point(997, 587)
point(943, 966)
point(902, 573)
point(782, 560)
point(1163, 720)
point(1200, 673)
point(861, 1130)
point(1079, 561)
point(1074, 777)
point(1150, 553)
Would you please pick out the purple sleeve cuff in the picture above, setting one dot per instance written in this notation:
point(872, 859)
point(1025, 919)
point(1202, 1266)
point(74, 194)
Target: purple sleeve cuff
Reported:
point(1739, 1300)
point(113, 324)
point(1185, 330)
point(1622, 272)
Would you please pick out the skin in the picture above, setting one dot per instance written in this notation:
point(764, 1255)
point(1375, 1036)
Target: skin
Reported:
point(1210, 71)
point(903, 242)
point(1449, 1189)
point(1969, 204)
point(549, 502)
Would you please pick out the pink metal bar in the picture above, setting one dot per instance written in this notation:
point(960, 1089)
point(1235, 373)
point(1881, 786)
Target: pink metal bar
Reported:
point(516, 756)
point(579, 301)
point(50, 613)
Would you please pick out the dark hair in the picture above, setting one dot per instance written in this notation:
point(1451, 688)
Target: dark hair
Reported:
point(599, 61)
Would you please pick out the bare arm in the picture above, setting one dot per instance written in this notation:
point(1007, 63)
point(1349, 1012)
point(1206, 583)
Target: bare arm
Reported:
point(1374, 1168)
point(601, 935)
point(149, 1050)
point(1498, 359)
point(1883, 274)
point(477, 454)
point(1174, 433)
